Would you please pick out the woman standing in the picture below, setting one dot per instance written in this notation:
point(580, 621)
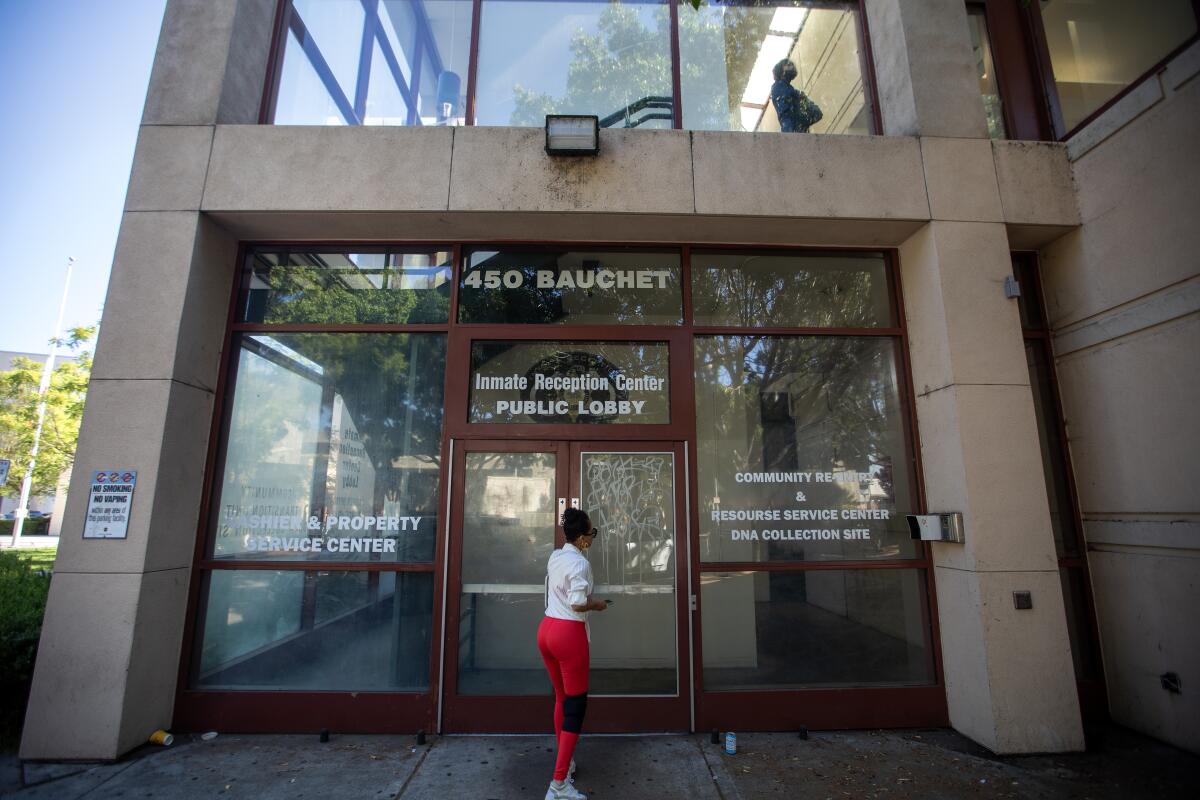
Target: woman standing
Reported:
point(563, 640)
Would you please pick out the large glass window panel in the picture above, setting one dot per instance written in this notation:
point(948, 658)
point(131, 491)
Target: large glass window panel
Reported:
point(292, 286)
point(821, 628)
point(602, 57)
point(410, 70)
point(754, 290)
point(438, 48)
point(386, 104)
point(316, 631)
point(333, 449)
point(801, 451)
point(398, 22)
point(1099, 47)
point(336, 28)
point(571, 287)
point(508, 535)
point(731, 50)
point(306, 96)
point(630, 499)
point(989, 89)
point(589, 383)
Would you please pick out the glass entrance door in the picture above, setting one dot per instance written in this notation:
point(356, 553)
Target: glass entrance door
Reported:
point(507, 500)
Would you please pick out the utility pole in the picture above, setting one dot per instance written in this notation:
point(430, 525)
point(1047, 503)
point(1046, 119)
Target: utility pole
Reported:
point(47, 372)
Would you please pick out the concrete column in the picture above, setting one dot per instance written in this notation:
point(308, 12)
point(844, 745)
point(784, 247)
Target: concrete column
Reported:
point(211, 63)
point(1009, 679)
point(924, 70)
point(107, 663)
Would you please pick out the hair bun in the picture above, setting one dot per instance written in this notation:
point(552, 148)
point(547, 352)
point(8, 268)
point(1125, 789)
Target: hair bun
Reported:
point(574, 523)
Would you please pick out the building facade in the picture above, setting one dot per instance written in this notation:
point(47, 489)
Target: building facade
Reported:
point(366, 339)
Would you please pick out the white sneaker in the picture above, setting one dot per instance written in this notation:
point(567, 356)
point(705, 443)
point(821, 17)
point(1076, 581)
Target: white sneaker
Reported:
point(571, 772)
point(565, 791)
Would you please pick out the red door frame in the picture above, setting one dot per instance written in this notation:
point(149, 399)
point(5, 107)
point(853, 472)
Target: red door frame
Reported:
point(290, 711)
point(651, 713)
point(533, 714)
point(479, 714)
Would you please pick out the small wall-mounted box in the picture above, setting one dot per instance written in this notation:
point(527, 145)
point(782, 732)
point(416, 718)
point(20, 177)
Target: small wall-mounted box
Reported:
point(946, 527)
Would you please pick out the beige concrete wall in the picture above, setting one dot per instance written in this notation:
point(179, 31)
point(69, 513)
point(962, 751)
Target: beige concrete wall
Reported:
point(1009, 680)
point(1145, 601)
point(645, 185)
point(1123, 292)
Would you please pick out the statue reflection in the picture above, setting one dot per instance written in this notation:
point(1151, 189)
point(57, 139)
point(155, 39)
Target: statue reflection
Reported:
point(797, 112)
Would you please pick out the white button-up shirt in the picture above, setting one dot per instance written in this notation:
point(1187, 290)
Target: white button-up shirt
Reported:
point(568, 583)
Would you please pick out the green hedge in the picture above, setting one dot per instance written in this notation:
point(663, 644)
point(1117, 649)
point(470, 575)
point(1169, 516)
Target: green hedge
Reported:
point(34, 526)
point(24, 583)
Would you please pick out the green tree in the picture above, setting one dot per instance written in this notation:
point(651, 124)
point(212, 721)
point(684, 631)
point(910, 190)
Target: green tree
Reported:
point(64, 410)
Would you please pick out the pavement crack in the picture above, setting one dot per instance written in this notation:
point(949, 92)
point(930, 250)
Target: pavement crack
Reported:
point(416, 769)
point(729, 790)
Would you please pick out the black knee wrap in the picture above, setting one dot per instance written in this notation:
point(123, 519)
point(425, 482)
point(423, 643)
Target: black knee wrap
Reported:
point(574, 708)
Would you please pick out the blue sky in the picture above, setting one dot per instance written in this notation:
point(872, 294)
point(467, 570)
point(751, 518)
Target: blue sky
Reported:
point(75, 80)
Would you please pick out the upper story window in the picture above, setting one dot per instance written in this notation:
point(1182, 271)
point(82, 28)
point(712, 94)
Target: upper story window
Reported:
point(773, 66)
point(1097, 48)
point(1046, 69)
point(739, 65)
point(374, 62)
point(612, 59)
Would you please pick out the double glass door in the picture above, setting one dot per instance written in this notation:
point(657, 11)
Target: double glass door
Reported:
point(507, 500)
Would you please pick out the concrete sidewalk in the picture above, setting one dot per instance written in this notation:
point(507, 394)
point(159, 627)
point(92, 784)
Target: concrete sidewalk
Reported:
point(874, 764)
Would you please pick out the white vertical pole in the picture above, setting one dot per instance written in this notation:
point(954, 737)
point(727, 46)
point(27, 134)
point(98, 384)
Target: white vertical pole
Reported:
point(43, 387)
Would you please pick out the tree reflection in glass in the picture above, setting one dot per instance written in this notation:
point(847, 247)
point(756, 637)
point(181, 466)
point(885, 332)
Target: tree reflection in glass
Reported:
point(727, 49)
point(335, 425)
point(771, 410)
point(347, 288)
point(538, 58)
point(790, 291)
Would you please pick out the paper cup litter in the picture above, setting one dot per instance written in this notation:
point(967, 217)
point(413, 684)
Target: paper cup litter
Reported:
point(162, 737)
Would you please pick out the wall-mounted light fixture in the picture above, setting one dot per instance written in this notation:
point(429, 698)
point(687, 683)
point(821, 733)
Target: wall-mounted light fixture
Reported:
point(572, 134)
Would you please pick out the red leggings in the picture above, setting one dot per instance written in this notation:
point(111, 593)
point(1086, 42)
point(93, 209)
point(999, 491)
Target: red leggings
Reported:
point(564, 647)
